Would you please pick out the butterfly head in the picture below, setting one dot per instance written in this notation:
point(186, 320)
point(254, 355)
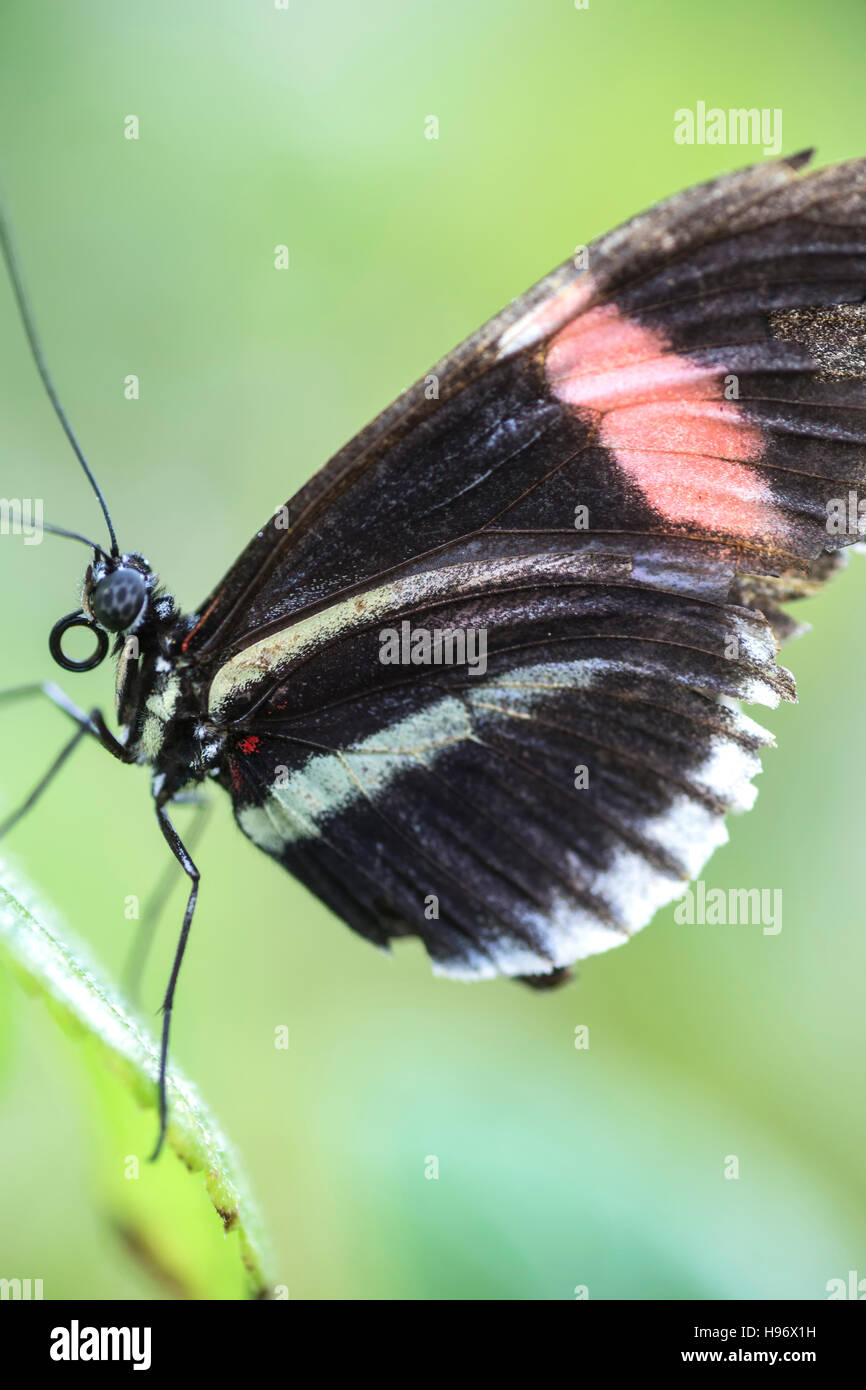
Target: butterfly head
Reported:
point(115, 599)
point(116, 592)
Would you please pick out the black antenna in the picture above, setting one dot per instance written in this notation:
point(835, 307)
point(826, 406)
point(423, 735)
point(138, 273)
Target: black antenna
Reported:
point(33, 340)
point(74, 536)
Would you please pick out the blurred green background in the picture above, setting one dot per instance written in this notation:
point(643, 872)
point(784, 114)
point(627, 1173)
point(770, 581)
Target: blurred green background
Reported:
point(305, 126)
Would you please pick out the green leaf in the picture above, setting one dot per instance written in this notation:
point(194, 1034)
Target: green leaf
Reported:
point(163, 1218)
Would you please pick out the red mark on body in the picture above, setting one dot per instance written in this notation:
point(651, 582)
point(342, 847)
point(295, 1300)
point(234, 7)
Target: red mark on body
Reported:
point(666, 421)
point(235, 774)
point(184, 646)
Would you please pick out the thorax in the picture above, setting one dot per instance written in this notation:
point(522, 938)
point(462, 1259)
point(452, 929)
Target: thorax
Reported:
point(161, 702)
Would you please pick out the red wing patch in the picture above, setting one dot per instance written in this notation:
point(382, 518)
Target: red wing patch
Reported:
point(666, 422)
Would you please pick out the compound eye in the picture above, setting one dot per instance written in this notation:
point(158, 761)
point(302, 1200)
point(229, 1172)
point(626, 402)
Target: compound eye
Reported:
point(118, 599)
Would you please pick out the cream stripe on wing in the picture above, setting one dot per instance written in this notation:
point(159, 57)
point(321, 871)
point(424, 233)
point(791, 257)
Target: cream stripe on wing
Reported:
point(329, 783)
point(272, 654)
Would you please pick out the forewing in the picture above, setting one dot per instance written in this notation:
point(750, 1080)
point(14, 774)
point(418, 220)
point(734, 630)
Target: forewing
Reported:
point(703, 377)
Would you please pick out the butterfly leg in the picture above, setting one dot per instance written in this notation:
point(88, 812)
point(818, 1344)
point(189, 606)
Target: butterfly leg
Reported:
point(20, 811)
point(146, 930)
point(92, 724)
point(181, 854)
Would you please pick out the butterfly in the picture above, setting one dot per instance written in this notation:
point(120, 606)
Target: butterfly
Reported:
point(479, 682)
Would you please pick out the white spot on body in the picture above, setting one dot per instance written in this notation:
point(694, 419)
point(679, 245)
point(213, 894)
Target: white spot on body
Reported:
point(160, 707)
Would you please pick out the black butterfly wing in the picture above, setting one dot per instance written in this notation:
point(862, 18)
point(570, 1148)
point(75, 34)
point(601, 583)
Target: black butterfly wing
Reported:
point(615, 481)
